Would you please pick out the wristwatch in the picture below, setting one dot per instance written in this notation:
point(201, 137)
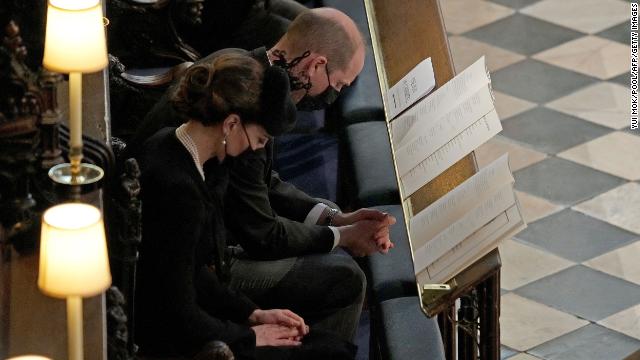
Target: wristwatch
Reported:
point(330, 215)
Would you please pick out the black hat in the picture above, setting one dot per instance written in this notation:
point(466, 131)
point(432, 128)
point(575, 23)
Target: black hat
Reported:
point(278, 114)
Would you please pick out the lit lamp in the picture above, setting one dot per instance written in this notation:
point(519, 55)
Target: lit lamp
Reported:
point(75, 44)
point(73, 262)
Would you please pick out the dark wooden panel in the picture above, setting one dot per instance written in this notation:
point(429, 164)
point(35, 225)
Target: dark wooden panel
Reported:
point(410, 31)
point(445, 182)
point(5, 295)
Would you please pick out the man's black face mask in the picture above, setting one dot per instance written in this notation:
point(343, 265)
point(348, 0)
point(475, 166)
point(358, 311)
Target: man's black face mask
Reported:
point(318, 102)
point(308, 102)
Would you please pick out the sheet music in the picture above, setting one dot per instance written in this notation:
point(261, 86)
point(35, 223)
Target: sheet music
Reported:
point(461, 145)
point(450, 208)
point(474, 247)
point(429, 137)
point(412, 87)
point(458, 231)
point(441, 101)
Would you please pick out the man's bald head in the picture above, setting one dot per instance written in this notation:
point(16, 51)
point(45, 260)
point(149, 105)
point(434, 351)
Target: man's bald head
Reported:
point(325, 31)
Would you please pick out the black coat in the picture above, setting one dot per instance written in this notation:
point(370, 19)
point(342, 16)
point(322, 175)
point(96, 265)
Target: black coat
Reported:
point(180, 302)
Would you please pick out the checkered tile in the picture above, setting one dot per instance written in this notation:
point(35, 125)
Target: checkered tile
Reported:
point(523, 34)
point(603, 103)
point(575, 236)
point(619, 33)
point(537, 81)
point(583, 292)
point(635, 132)
point(551, 131)
point(458, 19)
point(589, 55)
point(588, 16)
point(506, 353)
point(622, 79)
point(591, 342)
point(564, 182)
point(560, 71)
point(515, 4)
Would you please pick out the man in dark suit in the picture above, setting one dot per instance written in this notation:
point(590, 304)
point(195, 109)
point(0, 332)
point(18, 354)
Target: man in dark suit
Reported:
point(244, 24)
point(295, 249)
point(294, 244)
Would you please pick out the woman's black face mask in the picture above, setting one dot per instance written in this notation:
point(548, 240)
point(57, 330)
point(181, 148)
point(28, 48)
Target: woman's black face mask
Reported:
point(308, 102)
point(250, 149)
point(229, 159)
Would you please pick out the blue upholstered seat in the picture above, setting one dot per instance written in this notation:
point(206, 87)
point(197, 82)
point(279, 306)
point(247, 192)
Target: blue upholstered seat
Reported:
point(407, 333)
point(374, 176)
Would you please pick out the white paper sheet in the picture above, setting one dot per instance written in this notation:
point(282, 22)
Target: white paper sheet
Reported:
point(435, 134)
point(412, 87)
point(461, 229)
point(460, 146)
point(453, 206)
point(440, 102)
point(474, 247)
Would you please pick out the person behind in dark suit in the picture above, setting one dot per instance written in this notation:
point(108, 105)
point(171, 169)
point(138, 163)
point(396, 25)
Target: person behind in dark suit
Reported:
point(293, 245)
point(181, 303)
point(244, 24)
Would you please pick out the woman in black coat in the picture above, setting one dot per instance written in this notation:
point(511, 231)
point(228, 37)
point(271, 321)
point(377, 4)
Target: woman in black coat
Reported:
point(181, 302)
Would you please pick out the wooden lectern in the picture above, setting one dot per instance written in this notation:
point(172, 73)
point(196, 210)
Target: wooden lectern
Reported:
point(403, 33)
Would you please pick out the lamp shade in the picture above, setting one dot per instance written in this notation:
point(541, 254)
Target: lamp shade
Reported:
point(75, 38)
point(73, 252)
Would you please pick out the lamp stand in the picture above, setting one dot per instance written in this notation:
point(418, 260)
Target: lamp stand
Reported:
point(74, 327)
point(75, 172)
point(75, 122)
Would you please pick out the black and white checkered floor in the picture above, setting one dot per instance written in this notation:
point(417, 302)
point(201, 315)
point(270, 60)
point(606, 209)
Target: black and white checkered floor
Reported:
point(560, 73)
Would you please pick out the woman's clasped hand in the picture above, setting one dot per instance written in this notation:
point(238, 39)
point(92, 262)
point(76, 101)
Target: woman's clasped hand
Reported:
point(278, 327)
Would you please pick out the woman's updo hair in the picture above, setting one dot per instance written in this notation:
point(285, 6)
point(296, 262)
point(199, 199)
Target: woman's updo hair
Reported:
point(209, 92)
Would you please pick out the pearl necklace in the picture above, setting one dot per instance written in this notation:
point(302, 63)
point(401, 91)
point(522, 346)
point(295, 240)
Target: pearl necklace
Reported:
point(185, 139)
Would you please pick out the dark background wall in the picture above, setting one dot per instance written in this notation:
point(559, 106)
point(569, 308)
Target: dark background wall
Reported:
point(30, 16)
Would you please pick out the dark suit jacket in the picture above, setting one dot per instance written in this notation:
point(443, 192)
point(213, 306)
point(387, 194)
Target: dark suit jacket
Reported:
point(180, 303)
point(264, 214)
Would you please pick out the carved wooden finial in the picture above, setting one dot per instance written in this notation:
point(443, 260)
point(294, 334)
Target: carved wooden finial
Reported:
point(13, 41)
point(12, 29)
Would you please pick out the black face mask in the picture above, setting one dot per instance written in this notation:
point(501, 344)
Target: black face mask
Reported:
point(295, 83)
point(308, 102)
point(228, 158)
point(249, 150)
point(318, 102)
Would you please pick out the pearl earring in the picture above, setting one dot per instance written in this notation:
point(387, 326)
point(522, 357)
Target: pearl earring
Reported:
point(224, 141)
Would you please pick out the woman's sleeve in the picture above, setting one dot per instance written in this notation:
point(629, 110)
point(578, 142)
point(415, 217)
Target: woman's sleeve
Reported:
point(181, 215)
point(220, 301)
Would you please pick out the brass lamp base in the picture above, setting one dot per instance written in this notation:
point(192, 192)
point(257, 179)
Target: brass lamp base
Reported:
point(86, 174)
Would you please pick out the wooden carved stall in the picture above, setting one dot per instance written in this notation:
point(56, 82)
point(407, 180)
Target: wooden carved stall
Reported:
point(403, 34)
